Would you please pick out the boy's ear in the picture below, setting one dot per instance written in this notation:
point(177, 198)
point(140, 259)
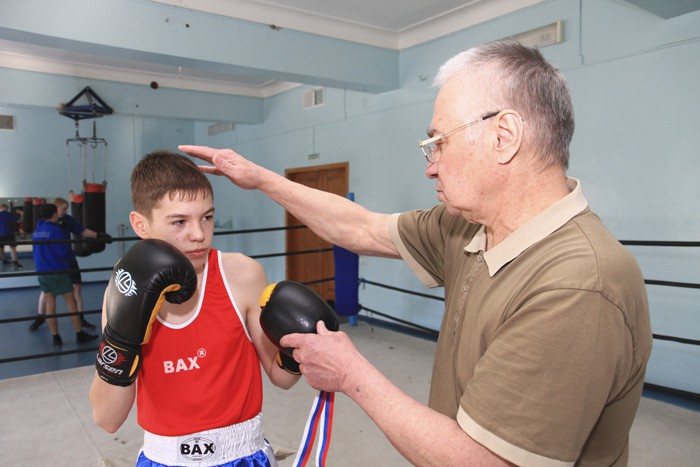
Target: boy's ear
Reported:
point(139, 223)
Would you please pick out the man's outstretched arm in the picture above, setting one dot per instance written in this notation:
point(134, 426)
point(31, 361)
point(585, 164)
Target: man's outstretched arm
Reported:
point(335, 219)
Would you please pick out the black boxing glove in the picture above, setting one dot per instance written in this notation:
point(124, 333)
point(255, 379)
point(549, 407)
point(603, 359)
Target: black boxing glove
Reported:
point(104, 237)
point(97, 244)
point(290, 307)
point(81, 248)
point(150, 272)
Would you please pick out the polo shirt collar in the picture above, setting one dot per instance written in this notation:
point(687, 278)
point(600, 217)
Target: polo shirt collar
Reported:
point(532, 231)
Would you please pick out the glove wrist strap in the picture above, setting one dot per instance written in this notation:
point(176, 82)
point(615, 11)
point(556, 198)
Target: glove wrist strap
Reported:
point(287, 363)
point(117, 363)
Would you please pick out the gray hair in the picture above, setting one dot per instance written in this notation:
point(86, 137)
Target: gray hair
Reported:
point(519, 77)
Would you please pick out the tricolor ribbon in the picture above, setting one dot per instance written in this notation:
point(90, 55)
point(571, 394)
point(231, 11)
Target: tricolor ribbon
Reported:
point(320, 419)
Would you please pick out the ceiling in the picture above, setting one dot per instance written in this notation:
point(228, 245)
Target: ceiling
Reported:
point(386, 24)
point(409, 22)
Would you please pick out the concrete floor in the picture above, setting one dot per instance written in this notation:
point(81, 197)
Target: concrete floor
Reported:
point(46, 418)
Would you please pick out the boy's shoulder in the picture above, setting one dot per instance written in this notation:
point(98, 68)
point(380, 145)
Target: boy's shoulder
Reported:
point(241, 267)
point(46, 230)
point(233, 258)
point(43, 225)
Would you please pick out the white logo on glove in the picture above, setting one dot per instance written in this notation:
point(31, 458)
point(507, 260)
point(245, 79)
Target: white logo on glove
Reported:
point(109, 355)
point(125, 284)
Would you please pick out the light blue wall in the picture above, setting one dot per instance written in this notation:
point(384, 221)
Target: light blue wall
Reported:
point(633, 77)
point(37, 163)
point(636, 98)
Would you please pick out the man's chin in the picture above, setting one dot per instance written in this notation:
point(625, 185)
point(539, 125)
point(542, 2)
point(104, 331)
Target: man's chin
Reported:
point(452, 211)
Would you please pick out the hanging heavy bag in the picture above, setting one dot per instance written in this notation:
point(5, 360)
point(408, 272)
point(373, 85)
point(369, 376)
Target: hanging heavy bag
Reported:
point(28, 216)
point(94, 215)
point(76, 211)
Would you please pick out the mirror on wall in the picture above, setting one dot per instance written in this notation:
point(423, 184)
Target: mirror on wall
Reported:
point(26, 212)
point(16, 206)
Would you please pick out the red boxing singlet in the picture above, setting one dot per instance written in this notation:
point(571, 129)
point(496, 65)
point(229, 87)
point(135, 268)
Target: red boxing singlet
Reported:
point(203, 373)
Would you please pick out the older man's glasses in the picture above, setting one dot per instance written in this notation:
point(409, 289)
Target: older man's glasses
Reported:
point(428, 145)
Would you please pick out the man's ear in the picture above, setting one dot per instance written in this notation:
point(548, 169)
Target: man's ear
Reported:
point(139, 223)
point(509, 136)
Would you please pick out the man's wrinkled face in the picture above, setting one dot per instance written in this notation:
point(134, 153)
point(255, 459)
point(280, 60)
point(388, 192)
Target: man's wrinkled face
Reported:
point(462, 165)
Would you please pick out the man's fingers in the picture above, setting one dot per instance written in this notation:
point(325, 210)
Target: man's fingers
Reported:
point(208, 169)
point(291, 340)
point(220, 160)
point(202, 152)
point(297, 339)
point(321, 328)
point(192, 149)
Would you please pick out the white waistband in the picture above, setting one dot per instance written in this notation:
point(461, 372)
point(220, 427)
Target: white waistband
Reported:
point(206, 448)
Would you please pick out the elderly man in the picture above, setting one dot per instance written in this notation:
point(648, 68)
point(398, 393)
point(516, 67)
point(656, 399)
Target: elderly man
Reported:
point(546, 335)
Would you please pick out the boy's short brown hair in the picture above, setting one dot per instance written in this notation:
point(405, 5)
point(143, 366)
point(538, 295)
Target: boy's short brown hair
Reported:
point(162, 173)
point(47, 211)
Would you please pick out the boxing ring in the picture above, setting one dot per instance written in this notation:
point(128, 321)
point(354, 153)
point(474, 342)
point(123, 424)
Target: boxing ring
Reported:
point(348, 284)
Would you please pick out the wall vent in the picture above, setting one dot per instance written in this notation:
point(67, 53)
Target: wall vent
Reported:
point(542, 37)
point(219, 128)
point(7, 122)
point(314, 98)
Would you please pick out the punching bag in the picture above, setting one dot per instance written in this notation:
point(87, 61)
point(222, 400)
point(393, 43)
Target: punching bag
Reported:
point(28, 216)
point(37, 203)
point(94, 212)
point(76, 211)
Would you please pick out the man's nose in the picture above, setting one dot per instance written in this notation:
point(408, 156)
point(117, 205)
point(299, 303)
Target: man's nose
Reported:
point(431, 170)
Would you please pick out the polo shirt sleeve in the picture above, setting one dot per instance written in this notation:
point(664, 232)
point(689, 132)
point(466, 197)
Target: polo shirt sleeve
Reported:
point(418, 236)
point(543, 380)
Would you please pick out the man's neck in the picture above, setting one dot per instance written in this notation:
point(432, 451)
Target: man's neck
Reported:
point(527, 197)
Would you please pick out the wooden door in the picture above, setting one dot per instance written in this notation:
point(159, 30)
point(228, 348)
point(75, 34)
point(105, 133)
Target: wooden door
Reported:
point(314, 266)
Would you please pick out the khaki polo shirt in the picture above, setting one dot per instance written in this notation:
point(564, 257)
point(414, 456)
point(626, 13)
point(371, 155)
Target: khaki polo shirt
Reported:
point(545, 337)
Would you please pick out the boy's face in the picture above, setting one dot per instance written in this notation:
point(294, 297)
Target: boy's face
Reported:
point(186, 224)
point(61, 210)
